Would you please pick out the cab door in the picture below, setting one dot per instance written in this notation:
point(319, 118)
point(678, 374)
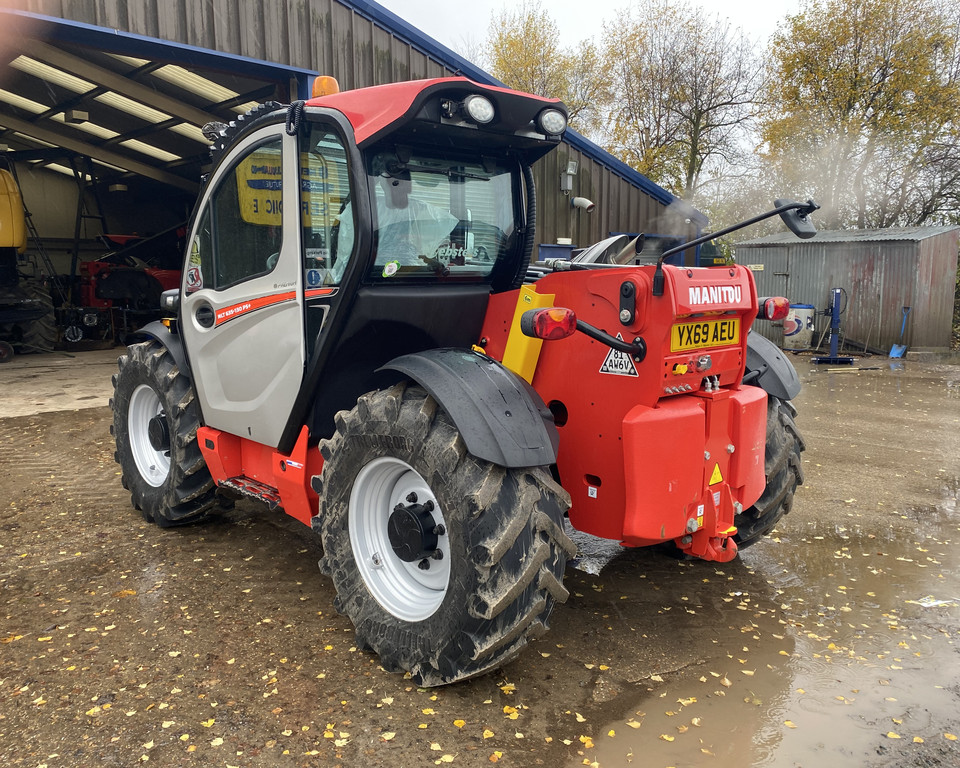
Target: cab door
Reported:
point(242, 307)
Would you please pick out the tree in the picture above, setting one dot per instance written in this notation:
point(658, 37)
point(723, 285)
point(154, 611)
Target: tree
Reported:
point(683, 90)
point(864, 110)
point(524, 54)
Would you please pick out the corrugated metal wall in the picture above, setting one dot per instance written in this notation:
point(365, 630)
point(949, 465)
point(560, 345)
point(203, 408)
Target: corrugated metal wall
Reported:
point(335, 39)
point(880, 277)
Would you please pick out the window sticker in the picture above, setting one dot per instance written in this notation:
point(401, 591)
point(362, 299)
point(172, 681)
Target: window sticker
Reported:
point(391, 268)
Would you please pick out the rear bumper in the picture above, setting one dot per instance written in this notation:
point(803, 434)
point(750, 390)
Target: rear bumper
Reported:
point(690, 464)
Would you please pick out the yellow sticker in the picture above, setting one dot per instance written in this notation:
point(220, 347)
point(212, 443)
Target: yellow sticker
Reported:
point(716, 477)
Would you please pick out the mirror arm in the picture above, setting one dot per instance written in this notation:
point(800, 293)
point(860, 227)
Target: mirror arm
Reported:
point(803, 209)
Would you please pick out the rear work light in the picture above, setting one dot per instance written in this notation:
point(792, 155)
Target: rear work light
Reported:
point(548, 324)
point(773, 308)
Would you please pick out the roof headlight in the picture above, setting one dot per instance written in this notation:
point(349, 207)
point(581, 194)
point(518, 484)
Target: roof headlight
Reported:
point(552, 121)
point(479, 109)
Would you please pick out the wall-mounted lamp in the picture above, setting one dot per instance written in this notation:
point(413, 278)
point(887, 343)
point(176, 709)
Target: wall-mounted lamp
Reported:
point(566, 176)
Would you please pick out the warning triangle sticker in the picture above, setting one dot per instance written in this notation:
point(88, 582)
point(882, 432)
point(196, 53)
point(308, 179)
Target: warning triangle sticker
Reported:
point(619, 363)
point(716, 477)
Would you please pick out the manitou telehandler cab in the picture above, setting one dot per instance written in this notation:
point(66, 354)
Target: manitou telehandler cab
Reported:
point(354, 342)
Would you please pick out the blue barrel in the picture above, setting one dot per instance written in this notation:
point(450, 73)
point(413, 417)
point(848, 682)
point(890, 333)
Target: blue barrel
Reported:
point(798, 327)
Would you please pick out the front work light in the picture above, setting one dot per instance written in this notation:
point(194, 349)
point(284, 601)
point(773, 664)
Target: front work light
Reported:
point(552, 122)
point(479, 109)
point(548, 324)
point(773, 308)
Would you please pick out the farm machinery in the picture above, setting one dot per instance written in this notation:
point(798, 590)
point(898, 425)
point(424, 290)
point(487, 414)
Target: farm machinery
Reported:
point(359, 340)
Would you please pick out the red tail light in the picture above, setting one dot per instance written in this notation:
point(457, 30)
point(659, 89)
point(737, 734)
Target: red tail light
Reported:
point(548, 324)
point(773, 308)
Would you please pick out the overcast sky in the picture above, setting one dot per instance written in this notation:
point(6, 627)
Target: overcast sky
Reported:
point(452, 22)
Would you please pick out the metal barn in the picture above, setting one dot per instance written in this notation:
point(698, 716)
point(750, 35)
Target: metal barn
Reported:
point(881, 271)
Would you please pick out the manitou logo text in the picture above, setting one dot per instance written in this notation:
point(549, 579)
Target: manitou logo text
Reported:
point(715, 294)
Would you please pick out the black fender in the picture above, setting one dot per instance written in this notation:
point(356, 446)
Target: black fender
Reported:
point(172, 341)
point(768, 369)
point(501, 417)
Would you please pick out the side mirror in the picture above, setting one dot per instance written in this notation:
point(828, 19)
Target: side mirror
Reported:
point(796, 217)
point(170, 301)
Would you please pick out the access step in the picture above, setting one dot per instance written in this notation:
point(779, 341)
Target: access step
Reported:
point(253, 489)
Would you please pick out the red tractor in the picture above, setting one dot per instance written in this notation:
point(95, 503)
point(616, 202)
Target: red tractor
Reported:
point(354, 342)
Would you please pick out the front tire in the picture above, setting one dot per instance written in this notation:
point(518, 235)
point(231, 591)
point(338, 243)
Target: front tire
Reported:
point(155, 422)
point(783, 471)
point(398, 486)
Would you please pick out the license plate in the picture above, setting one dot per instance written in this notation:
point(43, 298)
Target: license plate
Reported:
point(706, 333)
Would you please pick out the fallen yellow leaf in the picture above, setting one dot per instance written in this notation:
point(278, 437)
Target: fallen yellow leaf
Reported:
point(487, 733)
point(388, 736)
point(459, 723)
point(950, 736)
point(892, 735)
point(789, 723)
point(667, 737)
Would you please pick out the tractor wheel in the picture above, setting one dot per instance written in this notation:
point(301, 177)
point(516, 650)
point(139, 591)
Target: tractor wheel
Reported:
point(783, 471)
point(155, 421)
point(35, 335)
point(447, 565)
point(39, 335)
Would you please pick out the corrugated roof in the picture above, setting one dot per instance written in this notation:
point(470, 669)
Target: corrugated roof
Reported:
point(854, 235)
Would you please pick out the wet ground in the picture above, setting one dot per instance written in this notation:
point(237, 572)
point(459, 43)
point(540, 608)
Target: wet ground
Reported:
point(834, 642)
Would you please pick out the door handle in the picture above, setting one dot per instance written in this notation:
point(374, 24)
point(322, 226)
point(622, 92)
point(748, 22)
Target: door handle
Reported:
point(205, 316)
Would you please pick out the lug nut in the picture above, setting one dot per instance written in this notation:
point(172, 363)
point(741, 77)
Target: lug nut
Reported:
point(424, 565)
point(412, 497)
point(437, 555)
point(439, 530)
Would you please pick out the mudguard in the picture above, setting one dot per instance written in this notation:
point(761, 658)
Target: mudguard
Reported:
point(174, 343)
point(768, 369)
point(501, 417)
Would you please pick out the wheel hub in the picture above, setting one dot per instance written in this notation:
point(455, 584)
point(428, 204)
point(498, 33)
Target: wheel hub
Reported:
point(159, 433)
point(413, 532)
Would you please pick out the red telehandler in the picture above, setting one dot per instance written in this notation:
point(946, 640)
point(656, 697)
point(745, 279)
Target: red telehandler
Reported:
point(358, 340)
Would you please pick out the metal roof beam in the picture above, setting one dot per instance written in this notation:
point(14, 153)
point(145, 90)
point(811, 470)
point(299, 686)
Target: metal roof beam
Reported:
point(117, 82)
point(97, 153)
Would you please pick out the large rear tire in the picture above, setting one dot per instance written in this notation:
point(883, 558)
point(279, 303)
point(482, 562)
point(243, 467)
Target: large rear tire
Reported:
point(155, 422)
point(38, 334)
point(784, 472)
point(399, 487)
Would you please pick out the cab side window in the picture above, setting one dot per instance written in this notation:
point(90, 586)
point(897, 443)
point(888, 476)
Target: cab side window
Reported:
point(327, 216)
point(241, 230)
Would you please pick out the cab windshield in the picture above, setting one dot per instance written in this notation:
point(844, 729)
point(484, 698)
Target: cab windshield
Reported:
point(440, 216)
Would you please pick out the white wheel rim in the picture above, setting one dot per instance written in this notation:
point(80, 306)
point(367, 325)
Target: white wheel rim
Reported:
point(153, 465)
point(404, 589)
